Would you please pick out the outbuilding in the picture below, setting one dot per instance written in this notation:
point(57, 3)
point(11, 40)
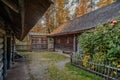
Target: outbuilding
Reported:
point(66, 36)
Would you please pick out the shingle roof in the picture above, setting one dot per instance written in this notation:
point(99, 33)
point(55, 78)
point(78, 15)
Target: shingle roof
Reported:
point(89, 20)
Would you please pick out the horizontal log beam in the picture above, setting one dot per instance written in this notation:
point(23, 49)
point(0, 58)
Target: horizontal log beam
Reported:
point(11, 5)
point(1, 40)
point(1, 46)
point(2, 31)
point(1, 52)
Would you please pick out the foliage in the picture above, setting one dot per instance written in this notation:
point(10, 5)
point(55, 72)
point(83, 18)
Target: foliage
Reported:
point(85, 60)
point(82, 8)
point(104, 40)
point(103, 3)
point(56, 15)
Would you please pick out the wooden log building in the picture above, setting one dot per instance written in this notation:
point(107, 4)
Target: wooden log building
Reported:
point(66, 36)
point(38, 41)
point(17, 17)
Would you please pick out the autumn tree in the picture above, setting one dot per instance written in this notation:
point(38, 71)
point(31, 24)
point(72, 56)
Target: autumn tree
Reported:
point(49, 19)
point(56, 15)
point(38, 28)
point(82, 8)
point(62, 15)
point(103, 3)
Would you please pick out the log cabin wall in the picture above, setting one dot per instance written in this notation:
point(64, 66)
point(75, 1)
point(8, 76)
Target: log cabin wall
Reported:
point(64, 43)
point(6, 50)
point(9, 51)
point(39, 43)
point(2, 53)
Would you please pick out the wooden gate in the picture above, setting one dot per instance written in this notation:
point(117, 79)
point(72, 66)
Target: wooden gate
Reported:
point(39, 43)
point(2, 32)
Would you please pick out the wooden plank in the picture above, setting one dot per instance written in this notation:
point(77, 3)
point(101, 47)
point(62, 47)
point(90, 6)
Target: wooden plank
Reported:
point(1, 35)
point(11, 5)
point(2, 31)
point(1, 46)
point(1, 66)
point(1, 51)
point(1, 40)
point(1, 58)
point(1, 74)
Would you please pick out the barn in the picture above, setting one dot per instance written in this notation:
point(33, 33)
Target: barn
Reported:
point(38, 41)
point(17, 17)
point(66, 36)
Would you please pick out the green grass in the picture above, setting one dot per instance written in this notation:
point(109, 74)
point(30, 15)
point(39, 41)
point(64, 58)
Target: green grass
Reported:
point(70, 73)
point(53, 56)
point(84, 75)
point(25, 53)
point(45, 56)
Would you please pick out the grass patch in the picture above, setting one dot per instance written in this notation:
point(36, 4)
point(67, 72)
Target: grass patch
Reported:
point(84, 75)
point(53, 56)
point(25, 53)
point(70, 73)
point(45, 56)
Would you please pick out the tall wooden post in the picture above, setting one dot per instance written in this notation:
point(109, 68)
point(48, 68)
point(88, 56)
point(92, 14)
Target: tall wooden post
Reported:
point(13, 47)
point(74, 43)
point(5, 57)
point(9, 51)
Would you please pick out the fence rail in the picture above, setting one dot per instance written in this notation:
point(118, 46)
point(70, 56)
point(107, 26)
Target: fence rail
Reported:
point(106, 70)
point(23, 47)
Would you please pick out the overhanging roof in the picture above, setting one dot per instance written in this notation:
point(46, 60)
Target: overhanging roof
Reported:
point(89, 20)
point(22, 15)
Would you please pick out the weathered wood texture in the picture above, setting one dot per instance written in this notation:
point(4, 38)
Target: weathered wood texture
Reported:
point(9, 51)
point(22, 46)
point(39, 43)
point(64, 43)
point(22, 15)
point(2, 32)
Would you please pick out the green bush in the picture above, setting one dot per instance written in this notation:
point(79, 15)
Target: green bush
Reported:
point(104, 39)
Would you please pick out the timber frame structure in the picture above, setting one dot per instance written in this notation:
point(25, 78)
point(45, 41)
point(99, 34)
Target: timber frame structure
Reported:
point(17, 17)
point(66, 36)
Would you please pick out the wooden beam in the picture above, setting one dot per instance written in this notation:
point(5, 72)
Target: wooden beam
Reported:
point(1, 46)
point(11, 5)
point(8, 11)
point(22, 12)
point(1, 40)
point(74, 43)
point(2, 31)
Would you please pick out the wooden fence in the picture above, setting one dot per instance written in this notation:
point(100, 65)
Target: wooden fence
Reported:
point(23, 46)
point(105, 69)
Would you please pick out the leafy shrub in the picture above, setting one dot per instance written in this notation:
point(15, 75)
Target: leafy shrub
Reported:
point(105, 40)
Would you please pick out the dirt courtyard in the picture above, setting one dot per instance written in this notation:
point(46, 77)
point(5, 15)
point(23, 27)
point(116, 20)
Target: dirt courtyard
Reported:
point(34, 65)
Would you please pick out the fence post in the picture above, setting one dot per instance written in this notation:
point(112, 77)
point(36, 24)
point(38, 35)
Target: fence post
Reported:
point(71, 56)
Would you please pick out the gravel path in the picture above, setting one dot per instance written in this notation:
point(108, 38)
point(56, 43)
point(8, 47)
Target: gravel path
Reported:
point(61, 64)
point(18, 71)
point(34, 69)
point(38, 66)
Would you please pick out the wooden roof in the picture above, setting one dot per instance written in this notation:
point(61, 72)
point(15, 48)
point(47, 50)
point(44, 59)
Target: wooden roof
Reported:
point(37, 34)
point(22, 15)
point(89, 20)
